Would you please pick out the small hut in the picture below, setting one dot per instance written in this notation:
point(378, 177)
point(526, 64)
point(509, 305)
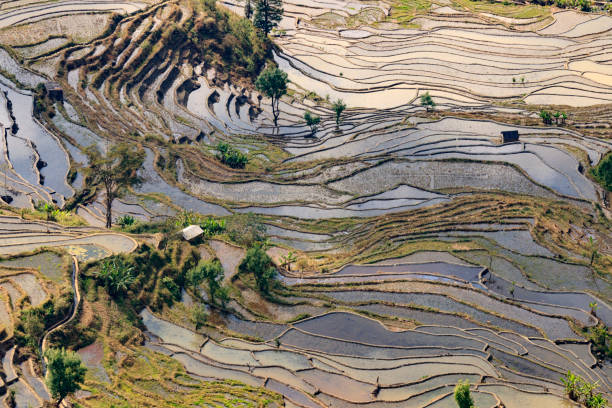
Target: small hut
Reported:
point(509, 136)
point(192, 232)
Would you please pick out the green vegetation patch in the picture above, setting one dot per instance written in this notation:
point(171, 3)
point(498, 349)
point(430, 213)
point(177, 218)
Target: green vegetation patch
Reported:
point(603, 172)
point(147, 379)
point(404, 11)
point(505, 9)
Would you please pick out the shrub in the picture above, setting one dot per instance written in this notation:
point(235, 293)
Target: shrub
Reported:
point(463, 397)
point(546, 117)
point(580, 390)
point(572, 385)
point(186, 218)
point(585, 5)
point(172, 287)
point(601, 340)
point(246, 229)
point(199, 316)
point(211, 227)
point(126, 221)
point(231, 156)
point(34, 320)
point(603, 172)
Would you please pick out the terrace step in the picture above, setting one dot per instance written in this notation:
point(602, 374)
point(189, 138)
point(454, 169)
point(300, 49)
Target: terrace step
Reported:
point(8, 367)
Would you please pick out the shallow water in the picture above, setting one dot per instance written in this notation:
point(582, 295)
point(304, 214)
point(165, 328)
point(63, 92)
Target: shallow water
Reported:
point(48, 263)
point(153, 183)
point(46, 145)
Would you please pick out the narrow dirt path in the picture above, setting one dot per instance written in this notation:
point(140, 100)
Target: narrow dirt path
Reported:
point(73, 311)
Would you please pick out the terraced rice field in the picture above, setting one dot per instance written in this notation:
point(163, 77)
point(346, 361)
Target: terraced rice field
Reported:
point(427, 252)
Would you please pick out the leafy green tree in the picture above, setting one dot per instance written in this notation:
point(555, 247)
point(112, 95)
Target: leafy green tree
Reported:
point(338, 107)
point(116, 170)
point(117, 275)
point(210, 271)
point(427, 101)
point(463, 397)
point(259, 264)
point(268, 13)
point(65, 373)
point(272, 82)
point(248, 9)
point(312, 121)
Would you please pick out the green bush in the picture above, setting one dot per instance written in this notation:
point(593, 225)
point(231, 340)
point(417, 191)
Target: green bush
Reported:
point(580, 390)
point(547, 117)
point(211, 226)
point(231, 156)
point(126, 221)
point(463, 397)
point(603, 172)
point(246, 229)
point(34, 320)
point(601, 340)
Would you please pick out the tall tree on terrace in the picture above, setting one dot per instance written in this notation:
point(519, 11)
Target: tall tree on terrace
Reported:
point(65, 373)
point(248, 9)
point(272, 82)
point(115, 170)
point(268, 13)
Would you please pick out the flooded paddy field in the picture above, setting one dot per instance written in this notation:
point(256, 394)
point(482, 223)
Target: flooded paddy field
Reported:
point(377, 258)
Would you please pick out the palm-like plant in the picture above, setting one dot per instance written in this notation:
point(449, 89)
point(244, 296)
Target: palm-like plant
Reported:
point(573, 384)
point(117, 275)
